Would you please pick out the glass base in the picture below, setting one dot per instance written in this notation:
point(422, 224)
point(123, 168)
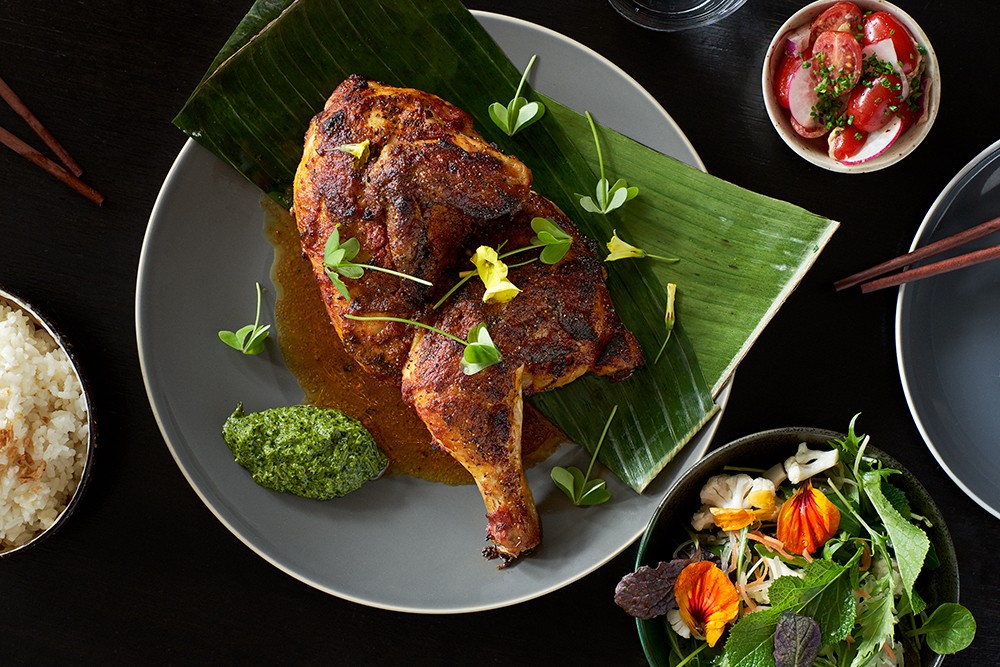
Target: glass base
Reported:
point(673, 15)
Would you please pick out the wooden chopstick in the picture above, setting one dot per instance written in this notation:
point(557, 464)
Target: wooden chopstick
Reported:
point(24, 112)
point(29, 153)
point(929, 250)
point(944, 266)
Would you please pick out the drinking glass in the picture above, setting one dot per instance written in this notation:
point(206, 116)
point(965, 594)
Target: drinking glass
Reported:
point(672, 15)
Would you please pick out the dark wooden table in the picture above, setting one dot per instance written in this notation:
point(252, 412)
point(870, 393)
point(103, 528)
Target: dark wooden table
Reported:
point(144, 574)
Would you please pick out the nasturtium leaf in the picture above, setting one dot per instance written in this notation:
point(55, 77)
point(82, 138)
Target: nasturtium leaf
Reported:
point(796, 641)
point(949, 629)
point(649, 591)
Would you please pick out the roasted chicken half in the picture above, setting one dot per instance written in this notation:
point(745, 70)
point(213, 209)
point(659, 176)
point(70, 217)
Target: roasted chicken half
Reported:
point(431, 192)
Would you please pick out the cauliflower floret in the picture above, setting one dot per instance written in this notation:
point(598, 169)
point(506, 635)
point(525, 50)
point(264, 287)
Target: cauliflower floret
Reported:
point(776, 568)
point(735, 501)
point(808, 462)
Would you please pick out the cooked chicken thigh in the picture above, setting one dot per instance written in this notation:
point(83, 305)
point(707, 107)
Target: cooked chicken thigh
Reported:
point(431, 192)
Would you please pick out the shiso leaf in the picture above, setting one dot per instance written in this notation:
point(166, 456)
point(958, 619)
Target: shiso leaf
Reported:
point(796, 641)
point(742, 253)
point(649, 591)
point(307, 451)
point(909, 542)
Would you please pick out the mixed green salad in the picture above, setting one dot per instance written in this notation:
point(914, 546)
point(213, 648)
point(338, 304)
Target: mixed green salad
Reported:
point(814, 561)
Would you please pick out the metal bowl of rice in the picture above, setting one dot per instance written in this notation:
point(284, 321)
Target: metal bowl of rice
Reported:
point(47, 435)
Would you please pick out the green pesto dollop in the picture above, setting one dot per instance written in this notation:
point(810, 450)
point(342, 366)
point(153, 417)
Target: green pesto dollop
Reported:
point(304, 450)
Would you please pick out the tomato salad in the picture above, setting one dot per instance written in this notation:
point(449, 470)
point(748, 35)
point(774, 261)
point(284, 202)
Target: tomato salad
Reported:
point(857, 78)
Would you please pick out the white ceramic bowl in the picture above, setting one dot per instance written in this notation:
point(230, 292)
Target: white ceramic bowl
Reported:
point(816, 150)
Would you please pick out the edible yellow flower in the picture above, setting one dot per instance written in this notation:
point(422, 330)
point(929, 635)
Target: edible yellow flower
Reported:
point(621, 250)
point(706, 600)
point(807, 520)
point(493, 273)
point(359, 151)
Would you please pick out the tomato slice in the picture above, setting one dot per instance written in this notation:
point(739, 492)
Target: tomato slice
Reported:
point(783, 77)
point(846, 143)
point(837, 55)
point(872, 107)
point(883, 25)
point(842, 16)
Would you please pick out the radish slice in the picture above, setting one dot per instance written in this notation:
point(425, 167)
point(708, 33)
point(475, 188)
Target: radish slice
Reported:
point(885, 51)
point(802, 97)
point(878, 142)
point(807, 133)
point(797, 41)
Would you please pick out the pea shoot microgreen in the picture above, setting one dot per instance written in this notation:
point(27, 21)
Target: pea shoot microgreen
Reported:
point(668, 319)
point(480, 350)
point(519, 112)
point(578, 486)
point(608, 197)
point(360, 152)
point(337, 258)
point(249, 339)
point(619, 249)
point(549, 236)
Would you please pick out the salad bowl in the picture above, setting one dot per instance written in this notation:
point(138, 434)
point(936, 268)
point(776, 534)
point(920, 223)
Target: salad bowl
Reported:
point(884, 147)
point(670, 525)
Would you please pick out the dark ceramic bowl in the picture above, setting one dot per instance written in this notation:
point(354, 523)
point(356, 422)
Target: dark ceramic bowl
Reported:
point(43, 324)
point(667, 527)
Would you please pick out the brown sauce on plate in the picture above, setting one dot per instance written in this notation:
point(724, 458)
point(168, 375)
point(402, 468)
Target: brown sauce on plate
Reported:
point(330, 377)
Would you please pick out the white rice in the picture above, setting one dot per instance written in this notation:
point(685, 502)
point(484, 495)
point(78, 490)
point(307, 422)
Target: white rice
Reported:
point(43, 429)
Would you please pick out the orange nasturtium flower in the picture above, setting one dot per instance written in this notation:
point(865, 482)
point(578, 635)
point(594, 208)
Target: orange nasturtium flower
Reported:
point(706, 599)
point(807, 520)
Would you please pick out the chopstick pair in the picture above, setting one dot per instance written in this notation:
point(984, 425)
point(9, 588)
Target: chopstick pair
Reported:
point(68, 175)
point(870, 281)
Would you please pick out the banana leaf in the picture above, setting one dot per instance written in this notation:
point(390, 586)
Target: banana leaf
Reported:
point(741, 253)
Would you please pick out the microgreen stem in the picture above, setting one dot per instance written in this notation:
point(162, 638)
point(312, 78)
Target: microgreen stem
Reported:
point(669, 260)
point(514, 266)
point(397, 273)
point(256, 318)
point(524, 76)
point(600, 442)
point(597, 142)
point(692, 655)
point(454, 288)
point(663, 347)
point(387, 318)
point(517, 250)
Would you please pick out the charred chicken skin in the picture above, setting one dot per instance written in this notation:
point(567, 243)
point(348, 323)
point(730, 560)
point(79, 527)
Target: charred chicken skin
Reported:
point(430, 193)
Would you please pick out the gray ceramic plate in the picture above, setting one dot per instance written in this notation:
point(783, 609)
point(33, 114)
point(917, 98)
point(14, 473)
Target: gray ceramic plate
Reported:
point(399, 543)
point(946, 339)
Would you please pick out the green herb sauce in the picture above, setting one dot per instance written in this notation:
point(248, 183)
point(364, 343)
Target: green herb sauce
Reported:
point(304, 450)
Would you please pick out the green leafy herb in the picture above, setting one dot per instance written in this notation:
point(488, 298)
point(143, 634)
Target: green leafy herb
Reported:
point(337, 258)
point(554, 241)
point(949, 629)
point(668, 319)
point(606, 197)
point(578, 486)
point(249, 339)
point(519, 112)
point(480, 351)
